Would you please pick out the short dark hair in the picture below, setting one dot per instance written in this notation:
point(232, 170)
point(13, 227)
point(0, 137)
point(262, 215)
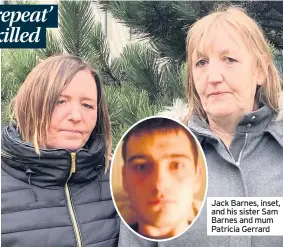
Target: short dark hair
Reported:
point(159, 124)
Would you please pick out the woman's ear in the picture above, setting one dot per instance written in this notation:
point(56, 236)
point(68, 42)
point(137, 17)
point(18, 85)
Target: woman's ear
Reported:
point(259, 77)
point(259, 71)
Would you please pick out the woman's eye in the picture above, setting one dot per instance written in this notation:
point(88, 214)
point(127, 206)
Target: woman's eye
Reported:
point(230, 60)
point(88, 106)
point(62, 101)
point(201, 63)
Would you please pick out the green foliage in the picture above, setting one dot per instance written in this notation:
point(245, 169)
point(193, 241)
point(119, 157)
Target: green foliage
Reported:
point(16, 65)
point(79, 35)
point(166, 23)
point(174, 77)
point(5, 112)
point(54, 46)
point(112, 94)
point(76, 22)
point(279, 63)
point(146, 76)
point(99, 54)
point(99, 46)
point(156, 20)
point(278, 58)
point(127, 105)
point(147, 71)
point(21, 2)
point(142, 70)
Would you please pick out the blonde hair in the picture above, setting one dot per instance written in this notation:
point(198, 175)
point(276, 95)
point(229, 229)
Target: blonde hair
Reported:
point(36, 100)
point(252, 34)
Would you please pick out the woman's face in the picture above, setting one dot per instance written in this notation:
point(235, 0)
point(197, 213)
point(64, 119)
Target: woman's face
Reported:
point(225, 75)
point(75, 114)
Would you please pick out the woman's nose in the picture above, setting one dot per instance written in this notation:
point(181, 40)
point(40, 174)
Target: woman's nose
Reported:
point(75, 113)
point(214, 72)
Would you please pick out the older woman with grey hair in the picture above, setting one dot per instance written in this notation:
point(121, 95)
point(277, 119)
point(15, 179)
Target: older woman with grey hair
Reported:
point(233, 91)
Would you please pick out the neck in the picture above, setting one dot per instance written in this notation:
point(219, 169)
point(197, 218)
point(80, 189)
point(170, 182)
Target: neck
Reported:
point(224, 131)
point(163, 231)
point(225, 127)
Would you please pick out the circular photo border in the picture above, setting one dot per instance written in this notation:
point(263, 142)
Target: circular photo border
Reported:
point(200, 152)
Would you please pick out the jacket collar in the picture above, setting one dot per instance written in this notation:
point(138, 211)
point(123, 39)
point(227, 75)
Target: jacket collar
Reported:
point(53, 166)
point(254, 122)
point(261, 120)
point(275, 129)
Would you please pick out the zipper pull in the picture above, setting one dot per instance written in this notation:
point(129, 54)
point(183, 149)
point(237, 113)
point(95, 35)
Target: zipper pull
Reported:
point(73, 163)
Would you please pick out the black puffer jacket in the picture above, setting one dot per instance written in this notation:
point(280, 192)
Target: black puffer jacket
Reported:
point(58, 199)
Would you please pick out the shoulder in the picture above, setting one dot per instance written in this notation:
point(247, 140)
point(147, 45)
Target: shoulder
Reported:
point(14, 193)
point(275, 128)
point(11, 184)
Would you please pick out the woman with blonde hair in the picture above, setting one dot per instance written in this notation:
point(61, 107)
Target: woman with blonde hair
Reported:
point(55, 184)
point(233, 91)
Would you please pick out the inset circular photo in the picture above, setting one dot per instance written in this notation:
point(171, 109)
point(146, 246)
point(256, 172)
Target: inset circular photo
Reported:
point(158, 178)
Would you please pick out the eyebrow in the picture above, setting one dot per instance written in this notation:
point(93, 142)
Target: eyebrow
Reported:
point(177, 156)
point(224, 51)
point(198, 54)
point(166, 156)
point(82, 98)
point(138, 156)
point(227, 51)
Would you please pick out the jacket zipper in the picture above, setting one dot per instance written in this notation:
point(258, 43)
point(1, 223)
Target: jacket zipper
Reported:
point(68, 195)
point(241, 152)
point(70, 204)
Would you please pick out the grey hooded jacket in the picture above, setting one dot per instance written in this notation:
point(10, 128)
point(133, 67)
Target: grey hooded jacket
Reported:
point(252, 167)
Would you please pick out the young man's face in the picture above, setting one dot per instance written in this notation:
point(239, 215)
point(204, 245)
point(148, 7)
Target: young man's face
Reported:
point(160, 177)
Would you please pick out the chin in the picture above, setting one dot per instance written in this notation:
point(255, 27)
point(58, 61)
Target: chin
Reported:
point(221, 110)
point(73, 147)
point(70, 145)
point(164, 221)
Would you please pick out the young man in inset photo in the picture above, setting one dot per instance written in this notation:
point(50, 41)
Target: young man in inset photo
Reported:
point(160, 175)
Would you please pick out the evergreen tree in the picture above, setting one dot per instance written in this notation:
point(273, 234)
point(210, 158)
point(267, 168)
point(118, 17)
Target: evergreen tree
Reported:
point(165, 23)
point(79, 34)
point(146, 76)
